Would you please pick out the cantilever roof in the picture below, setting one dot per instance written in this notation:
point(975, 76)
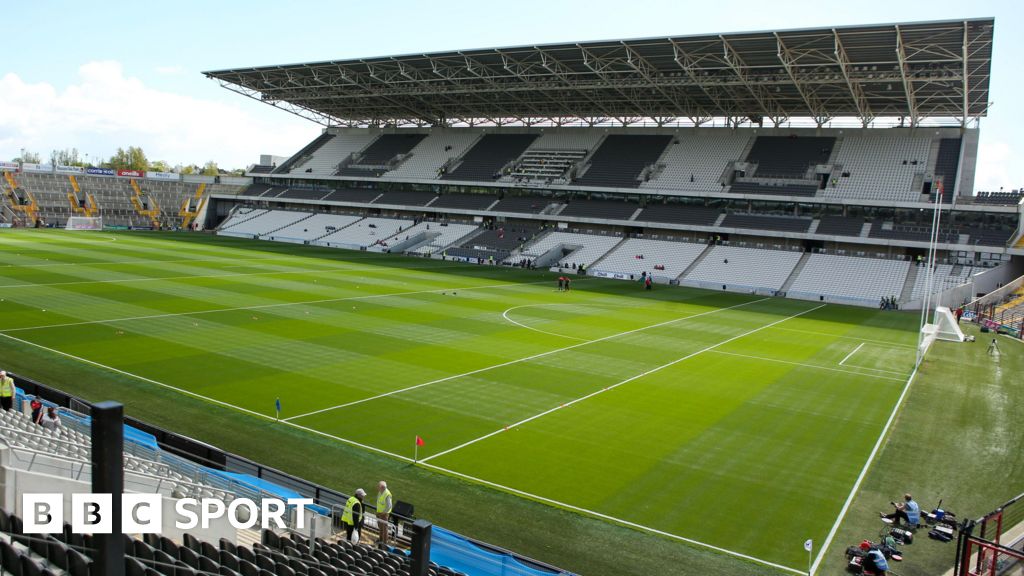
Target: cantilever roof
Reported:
point(914, 70)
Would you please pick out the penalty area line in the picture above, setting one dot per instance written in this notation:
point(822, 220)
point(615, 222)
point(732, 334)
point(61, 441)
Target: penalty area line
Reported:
point(609, 518)
point(850, 355)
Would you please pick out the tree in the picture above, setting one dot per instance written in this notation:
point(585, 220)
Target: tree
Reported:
point(159, 166)
point(66, 157)
point(187, 170)
point(210, 169)
point(28, 157)
point(131, 159)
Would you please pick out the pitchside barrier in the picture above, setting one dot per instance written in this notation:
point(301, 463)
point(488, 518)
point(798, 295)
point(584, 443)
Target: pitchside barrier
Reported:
point(988, 311)
point(992, 545)
point(452, 549)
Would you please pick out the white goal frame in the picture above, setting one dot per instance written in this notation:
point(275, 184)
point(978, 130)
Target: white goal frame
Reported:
point(84, 223)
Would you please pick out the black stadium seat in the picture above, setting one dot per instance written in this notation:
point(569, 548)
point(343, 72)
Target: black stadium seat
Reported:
point(248, 568)
point(11, 558)
point(134, 567)
point(78, 564)
point(189, 556)
point(208, 566)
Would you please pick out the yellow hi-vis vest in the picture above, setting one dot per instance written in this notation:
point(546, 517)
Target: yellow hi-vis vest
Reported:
point(350, 506)
point(6, 387)
point(383, 506)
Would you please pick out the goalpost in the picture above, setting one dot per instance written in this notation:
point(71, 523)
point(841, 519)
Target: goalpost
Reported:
point(84, 223)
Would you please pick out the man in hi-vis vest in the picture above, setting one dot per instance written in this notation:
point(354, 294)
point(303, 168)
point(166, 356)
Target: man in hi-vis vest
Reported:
point(6, 391)
point(352, 518)
point(384, 505)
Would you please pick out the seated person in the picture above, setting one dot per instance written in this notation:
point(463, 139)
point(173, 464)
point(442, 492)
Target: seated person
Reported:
point(908, 510)
point(874, 561)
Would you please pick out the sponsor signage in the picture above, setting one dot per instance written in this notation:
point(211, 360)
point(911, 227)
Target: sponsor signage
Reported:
point(29, 167)
point(615, 275)
point(131, 173)
point(100, 171)
point(10, 165)
point(71, 169)
point(143, 513)
point(163, 176)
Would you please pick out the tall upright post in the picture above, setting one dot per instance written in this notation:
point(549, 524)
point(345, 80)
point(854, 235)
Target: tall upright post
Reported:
point(108, 478)
point(421, 530)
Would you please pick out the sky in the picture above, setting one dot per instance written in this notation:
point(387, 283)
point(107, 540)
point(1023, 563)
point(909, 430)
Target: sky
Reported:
point(101, 75)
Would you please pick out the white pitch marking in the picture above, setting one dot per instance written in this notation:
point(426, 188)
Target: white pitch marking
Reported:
point(207, 398)
point(407, 459)
point(848, 356)
point(863, 473)
point(613, 386)
point(817, 366)
point(259, 307)
point(844, 337)
point(611, 518)
point(516, 361)
point(521, 325)
point(189, 277)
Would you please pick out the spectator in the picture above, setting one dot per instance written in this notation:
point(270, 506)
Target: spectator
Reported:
point(352, 517)
point(6, 391)
point(50, 420)
point(907, 510)
point(385, 504)
point(37, 410)
point(874, 561)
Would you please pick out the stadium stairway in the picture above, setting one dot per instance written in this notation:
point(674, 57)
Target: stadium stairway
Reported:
point(908, 285)
point(796, 271)
point(595, 264)
point(696, 261)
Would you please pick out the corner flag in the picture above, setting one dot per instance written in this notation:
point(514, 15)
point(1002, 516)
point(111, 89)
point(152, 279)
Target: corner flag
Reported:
point(277, 405)
point(808, 545)
point(419, 441)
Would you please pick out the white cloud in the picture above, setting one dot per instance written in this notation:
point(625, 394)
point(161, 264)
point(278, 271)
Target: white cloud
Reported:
point(169, 70)
point(105, 109)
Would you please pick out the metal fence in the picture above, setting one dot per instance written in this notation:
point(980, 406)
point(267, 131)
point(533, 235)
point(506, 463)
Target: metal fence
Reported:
point(992, 545)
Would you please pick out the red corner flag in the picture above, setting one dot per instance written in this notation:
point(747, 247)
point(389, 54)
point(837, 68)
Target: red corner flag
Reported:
point(419, 441)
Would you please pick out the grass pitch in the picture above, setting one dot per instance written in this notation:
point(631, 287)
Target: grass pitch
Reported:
point(728, 421)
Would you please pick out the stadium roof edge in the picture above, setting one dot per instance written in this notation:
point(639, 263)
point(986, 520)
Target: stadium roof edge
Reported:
point(941, 67)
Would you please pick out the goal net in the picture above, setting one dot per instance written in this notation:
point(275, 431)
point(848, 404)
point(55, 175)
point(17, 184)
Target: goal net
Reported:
point(84, 223)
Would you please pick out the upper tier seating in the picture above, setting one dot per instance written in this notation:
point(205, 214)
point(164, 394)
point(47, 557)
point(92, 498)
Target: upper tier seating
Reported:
point(354, 196)
point(697, 160)
point(743, 268)
point(405, 198)
point(324, 161)
point(789, 156)
point(621, 158)
point(866, 280)
point(879, 166)
point(946, 163)
point(583, 249)
point(679, 214)
point(433, 152)
point(465, 201)
point(607, 209)
point(783, 189)
point(303, 193)
point(840, 226)
point(910, 232)
point(544, 166)
point(497, 243)
point(304, 154)
point(999, 198)
point(524, 204)
point(377, 158)
point(491, 153)
point(988, 237)
point(761, 222)
point(637, 255)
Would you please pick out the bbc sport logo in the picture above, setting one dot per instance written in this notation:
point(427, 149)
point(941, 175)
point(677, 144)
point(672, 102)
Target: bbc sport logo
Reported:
point(144, 513)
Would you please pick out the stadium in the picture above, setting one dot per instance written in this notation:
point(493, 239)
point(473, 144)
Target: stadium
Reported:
point(688, 305)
